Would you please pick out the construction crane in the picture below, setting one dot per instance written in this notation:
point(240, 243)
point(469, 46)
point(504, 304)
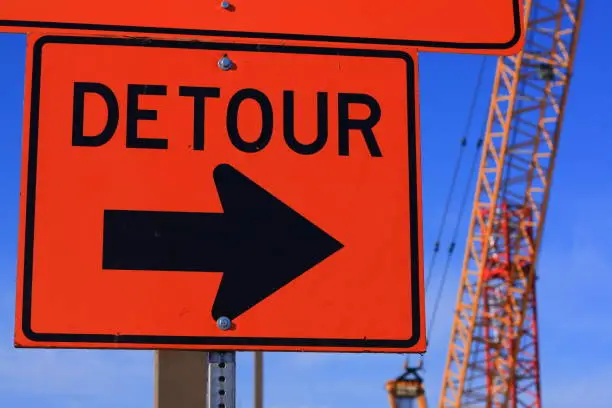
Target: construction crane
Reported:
point(492, 358)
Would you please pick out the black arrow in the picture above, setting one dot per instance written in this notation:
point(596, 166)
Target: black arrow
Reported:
point(259, 243)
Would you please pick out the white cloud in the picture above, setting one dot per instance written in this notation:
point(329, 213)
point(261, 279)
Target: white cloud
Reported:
point(312, 361)
point(579, 387)
point(290, 405)
point(79, 378)
point(576, 278)
point(77, 373)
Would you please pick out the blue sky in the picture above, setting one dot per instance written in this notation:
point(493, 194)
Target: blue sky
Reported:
point(574, 312)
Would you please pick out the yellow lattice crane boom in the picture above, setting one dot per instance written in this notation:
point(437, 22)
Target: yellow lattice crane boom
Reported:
point(493, 354)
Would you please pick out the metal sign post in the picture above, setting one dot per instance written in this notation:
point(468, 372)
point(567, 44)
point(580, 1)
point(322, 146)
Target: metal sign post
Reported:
point(221, 379)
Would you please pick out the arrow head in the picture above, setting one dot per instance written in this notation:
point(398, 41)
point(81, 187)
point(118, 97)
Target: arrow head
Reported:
point(271, 243)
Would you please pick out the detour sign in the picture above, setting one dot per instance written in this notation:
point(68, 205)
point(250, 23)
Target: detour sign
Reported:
point(162, 193)
point(474, 26)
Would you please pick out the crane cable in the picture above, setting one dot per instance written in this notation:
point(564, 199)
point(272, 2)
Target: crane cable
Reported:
point(451, 248)
point(434, 255)
point(466, 191)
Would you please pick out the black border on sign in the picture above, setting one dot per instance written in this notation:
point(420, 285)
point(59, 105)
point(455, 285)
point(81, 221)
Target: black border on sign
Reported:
point(201, 340)
point(279, 36)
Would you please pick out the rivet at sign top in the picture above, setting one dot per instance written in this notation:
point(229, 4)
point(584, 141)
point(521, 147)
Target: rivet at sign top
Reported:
point(224, 323)
point(225, 4)
point(225, 63)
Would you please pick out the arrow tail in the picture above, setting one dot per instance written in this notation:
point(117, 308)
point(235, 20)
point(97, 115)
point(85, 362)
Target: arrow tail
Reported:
point(163, 241)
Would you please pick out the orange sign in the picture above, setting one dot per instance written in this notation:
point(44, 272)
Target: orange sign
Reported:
point(220, 196)
point(474, 26)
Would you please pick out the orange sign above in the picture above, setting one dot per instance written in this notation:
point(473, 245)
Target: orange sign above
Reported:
point(219, 196)
point(475, 26)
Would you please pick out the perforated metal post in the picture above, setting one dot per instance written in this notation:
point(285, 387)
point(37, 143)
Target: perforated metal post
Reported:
point(222, 379)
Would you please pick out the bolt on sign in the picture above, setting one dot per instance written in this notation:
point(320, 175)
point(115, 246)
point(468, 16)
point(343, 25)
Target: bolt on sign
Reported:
point(472, 26)
point(238, 196)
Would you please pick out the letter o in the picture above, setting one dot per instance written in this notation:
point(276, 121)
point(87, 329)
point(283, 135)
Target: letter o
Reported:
point(266, 120)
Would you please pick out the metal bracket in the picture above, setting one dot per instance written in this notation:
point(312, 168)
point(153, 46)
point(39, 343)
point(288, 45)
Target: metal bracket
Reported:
point(222, 379)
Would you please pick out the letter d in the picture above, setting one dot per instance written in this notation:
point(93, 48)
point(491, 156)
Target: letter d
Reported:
point(78, 114)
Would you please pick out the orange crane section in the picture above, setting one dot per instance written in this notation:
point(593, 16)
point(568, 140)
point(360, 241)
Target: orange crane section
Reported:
point(492, 359)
